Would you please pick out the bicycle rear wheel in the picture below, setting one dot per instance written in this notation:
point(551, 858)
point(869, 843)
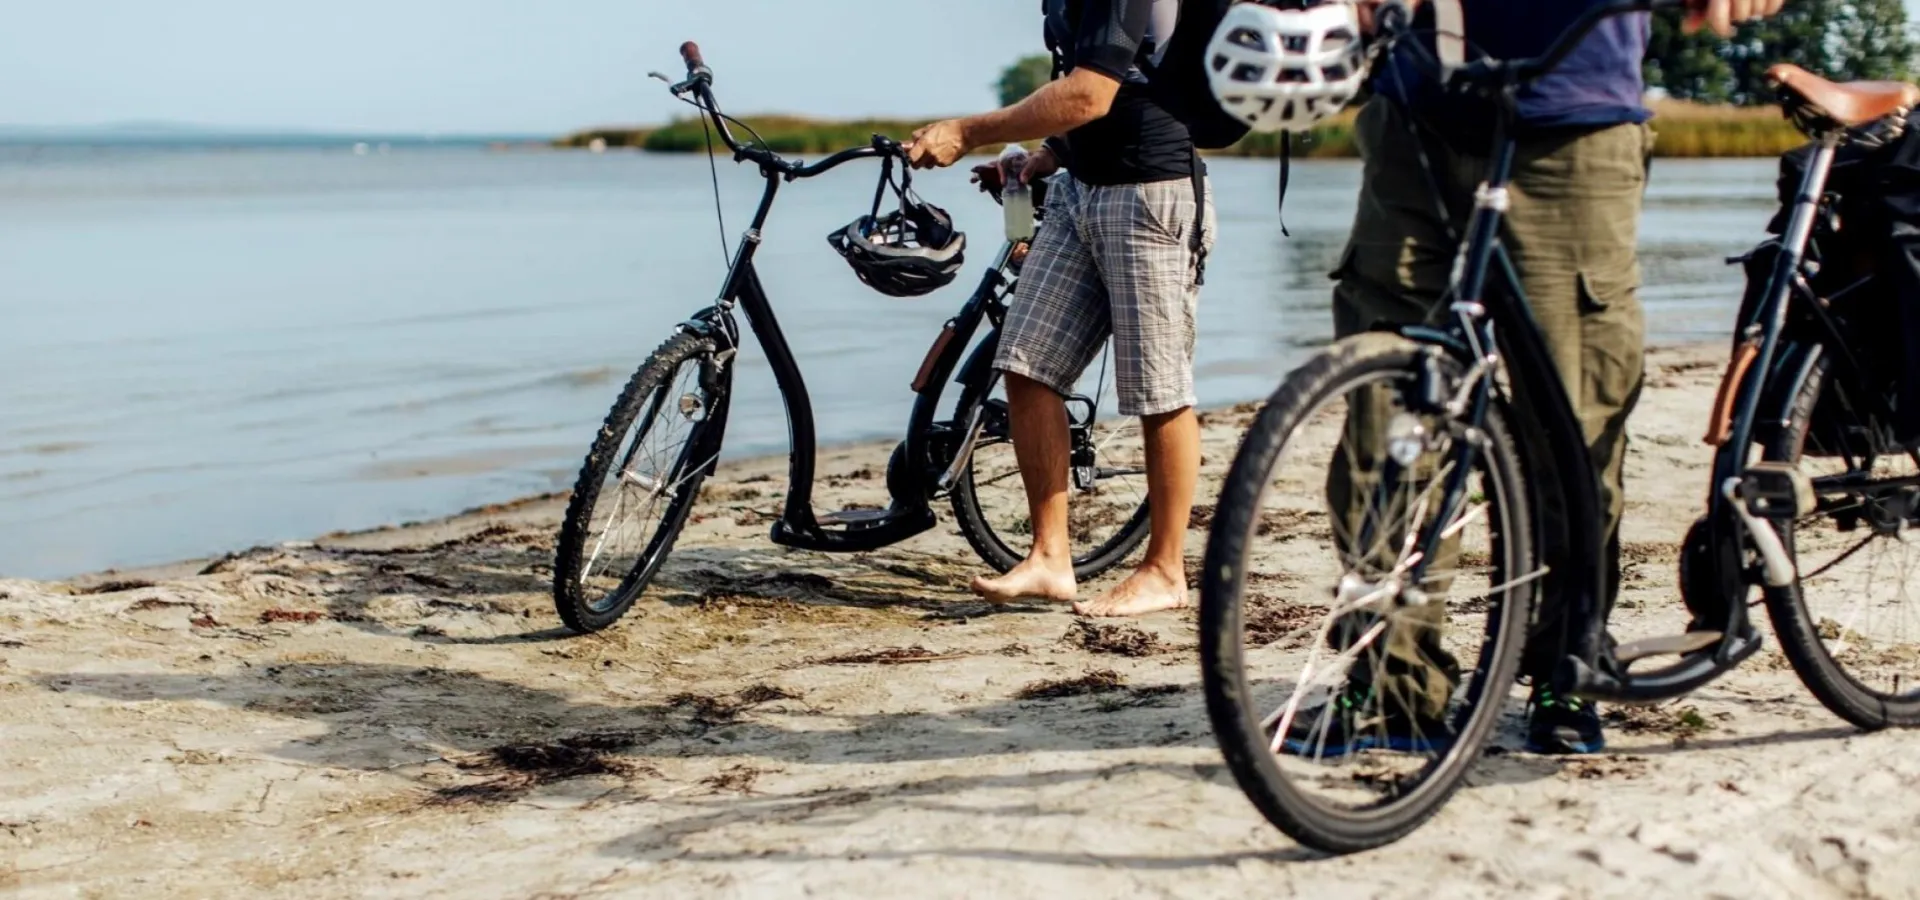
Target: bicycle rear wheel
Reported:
point(1850, 623)
point(639, 482)
point(1107, 501)
point(1349, 693)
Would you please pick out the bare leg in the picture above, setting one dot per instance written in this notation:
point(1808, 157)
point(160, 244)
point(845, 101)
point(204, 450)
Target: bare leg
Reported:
point(1040, 443)
point(1173, 473)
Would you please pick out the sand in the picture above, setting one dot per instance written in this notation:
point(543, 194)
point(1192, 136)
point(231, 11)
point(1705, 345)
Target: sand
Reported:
point(397, 713)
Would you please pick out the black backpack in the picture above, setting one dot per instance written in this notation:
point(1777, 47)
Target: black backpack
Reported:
point(1179, 83)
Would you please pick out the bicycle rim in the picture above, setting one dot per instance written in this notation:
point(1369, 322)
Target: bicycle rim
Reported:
point(1106, 502)
point(1852, 623)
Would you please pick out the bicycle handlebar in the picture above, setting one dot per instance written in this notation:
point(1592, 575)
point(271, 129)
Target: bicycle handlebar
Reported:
point(699, 83)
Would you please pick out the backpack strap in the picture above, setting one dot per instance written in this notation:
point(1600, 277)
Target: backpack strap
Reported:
point(1199, 219)
point(1450, 26)
point(1286, 176)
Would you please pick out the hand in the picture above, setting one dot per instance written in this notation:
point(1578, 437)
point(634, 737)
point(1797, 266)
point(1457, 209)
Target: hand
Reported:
point(1040, 164)
point(1723, 15)
point(938, 146)
point(988, 177)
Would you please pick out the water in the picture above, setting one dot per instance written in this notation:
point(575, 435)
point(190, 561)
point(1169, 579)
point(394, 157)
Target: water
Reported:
point(204, 351)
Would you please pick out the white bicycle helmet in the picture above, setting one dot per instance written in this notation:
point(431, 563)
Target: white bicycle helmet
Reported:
point(1287, 69)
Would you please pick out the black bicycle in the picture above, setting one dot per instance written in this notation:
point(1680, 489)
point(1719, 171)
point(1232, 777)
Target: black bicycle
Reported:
point(1414, 568)
point(664, 435)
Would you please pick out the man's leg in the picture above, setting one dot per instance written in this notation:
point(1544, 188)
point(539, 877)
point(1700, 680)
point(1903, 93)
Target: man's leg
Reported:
point(1173, 474)
point(1142, 241)
point(1395, 270)
point(1057, 322)
point(1040, 444)
point(1573, 231)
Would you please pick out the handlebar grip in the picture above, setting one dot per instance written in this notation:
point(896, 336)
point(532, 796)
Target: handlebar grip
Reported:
point(690, 52)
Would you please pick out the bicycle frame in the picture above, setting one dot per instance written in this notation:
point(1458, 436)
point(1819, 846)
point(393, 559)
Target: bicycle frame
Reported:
point(931, 454)
point(1493, 328)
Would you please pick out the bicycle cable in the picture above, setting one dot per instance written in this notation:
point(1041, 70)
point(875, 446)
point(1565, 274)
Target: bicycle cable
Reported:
point(1435, 191)
point(719, 211)
point(713, 167)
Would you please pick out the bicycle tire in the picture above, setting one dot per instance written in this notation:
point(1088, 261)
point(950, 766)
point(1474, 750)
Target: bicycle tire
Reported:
point(571, 557)
point(995, 550)
point(1236, 719)
point(1799, 629)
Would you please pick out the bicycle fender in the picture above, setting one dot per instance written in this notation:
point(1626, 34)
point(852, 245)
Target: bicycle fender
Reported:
point(979, 366)
point(1797, 363)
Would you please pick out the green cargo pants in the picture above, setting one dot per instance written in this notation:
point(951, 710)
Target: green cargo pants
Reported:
point(1572, 232)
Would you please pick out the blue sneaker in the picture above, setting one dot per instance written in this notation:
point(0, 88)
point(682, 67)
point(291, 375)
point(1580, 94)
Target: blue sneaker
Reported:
point(1562, 726)
point(1348, 725)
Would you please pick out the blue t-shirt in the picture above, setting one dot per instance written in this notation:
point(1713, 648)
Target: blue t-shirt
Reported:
point(1600, 84)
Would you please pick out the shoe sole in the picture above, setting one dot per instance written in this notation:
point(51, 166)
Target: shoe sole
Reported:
point(1306, 750)
point(1568, 748)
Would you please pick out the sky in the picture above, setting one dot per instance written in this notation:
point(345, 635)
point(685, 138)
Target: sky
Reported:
point(494, 66)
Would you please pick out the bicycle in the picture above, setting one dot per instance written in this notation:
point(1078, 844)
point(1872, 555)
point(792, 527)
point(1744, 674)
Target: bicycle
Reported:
point(1453, 512)
point(664, 435)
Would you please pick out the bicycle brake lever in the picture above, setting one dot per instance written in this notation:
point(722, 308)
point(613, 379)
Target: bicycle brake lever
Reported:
point(663, 79)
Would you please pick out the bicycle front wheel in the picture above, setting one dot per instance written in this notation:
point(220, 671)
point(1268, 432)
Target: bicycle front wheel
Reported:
point(1366, 596)
point(639, 482)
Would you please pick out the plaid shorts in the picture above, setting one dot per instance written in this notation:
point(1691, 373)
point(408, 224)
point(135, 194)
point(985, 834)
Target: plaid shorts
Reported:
point(1114, 260)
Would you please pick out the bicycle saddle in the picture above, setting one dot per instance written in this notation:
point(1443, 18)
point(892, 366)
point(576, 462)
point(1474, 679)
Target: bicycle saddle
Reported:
point(1817, 104)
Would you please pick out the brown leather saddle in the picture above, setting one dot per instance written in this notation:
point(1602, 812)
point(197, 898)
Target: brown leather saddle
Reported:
point(1819, 106)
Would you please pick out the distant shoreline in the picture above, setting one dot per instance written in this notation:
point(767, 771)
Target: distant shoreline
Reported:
point(197, 140)
point(1686, 131)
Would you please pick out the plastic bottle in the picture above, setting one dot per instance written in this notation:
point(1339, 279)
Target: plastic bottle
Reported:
point(1016, 198)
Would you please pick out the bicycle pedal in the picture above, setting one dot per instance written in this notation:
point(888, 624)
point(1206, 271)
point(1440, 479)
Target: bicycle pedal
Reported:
point(1777, 490)
point(1673, 645)
point(853, 518)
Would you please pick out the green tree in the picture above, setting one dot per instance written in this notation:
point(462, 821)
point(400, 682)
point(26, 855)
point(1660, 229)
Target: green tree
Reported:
point(1838, 39)
point(1880, 40)
point(1023, 78)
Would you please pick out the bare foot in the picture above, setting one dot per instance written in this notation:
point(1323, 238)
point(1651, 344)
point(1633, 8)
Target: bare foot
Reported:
point(1147, 590)
point(1030, 580)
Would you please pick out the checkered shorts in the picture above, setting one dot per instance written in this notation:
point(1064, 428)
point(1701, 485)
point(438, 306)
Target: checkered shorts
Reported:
point(1115, 260)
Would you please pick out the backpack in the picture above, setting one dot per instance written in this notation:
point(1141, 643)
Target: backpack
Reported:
point(1180, 81)
point(1176, 74)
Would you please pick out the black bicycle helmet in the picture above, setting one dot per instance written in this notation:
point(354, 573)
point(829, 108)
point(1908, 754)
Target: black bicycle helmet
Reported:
point(909, 252)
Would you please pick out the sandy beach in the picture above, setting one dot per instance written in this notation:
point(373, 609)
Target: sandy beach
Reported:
point(398, 713)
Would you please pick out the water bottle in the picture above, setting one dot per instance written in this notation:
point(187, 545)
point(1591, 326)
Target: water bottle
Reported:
point(1016, 198)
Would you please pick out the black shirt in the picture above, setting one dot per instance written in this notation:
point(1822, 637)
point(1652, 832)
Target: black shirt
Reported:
point(1138, 141)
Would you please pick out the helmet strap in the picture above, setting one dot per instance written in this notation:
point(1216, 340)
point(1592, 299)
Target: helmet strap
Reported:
point(880, 190)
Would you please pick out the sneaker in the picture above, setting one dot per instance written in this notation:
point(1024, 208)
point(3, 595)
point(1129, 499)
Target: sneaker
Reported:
point(1348, 724)
point(1560, 726)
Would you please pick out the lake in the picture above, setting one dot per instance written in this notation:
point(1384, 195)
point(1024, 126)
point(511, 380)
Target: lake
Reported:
point(208, 350)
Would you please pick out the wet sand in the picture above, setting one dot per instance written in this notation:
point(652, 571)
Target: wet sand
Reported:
point(397, 712)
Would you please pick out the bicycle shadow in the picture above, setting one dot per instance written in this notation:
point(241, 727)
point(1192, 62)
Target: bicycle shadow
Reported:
point(377, 716)
point(436, 726)
point(503, 573)
point(834, 810)
point(889, 579)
